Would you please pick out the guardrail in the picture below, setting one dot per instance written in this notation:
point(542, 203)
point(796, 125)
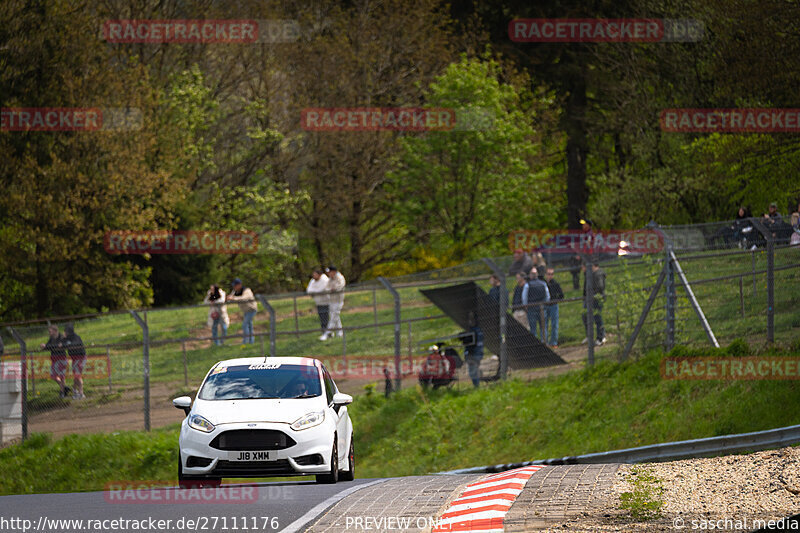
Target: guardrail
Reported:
point(669, 451)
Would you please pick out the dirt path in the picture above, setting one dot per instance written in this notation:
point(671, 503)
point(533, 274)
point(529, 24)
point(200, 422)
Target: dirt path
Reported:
point(125, 410)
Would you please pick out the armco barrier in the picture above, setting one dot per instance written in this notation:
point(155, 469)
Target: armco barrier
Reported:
point(669, 451)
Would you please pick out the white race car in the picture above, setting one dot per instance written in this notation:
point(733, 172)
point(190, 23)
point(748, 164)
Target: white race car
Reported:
point(266, 417)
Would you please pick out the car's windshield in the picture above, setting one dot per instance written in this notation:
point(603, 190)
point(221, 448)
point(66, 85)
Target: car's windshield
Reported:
point(260, 381)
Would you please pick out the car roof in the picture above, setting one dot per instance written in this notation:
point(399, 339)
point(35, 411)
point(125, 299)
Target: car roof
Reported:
point(301, 361)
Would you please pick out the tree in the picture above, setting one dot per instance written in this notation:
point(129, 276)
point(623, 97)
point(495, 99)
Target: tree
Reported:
point(366, 54)
point(465, 189)
point(63, 190)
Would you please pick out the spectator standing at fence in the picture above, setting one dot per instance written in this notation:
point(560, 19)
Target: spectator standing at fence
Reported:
point(494, 292)
point(58, 359)
point(795, 240)
point(77, 353)
point(599, 296)
point(741, 222)
point(517, 309)
point(317, 288)
point(335, 288)
point(248, 306)
point(217, 313)
point(473, 349)
point(539, 264)
point(551, 310)
point(522, 263)
point(534, 295)
point(575, 263)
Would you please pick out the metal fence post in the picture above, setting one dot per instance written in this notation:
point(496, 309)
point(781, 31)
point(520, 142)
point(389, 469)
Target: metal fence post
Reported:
point(108, 366)
point(296, 320)
point(503, 370)
point(671, 300)
point(185, 365)
point(145, 365)
point(589, 305)
point(650, 300)
point(741, 294)
point(375, 307)
point(271, 310)
point(23, 350)
point(770, 277)
point(398, 380)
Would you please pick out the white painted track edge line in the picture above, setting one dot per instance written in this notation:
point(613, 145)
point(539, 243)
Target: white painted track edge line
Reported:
point(315, 511)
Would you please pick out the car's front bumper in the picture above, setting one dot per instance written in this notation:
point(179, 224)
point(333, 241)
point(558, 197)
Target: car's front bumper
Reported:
point(314, 444)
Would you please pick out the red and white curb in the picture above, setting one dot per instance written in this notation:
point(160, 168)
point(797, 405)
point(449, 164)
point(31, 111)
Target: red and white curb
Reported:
point(483, 505)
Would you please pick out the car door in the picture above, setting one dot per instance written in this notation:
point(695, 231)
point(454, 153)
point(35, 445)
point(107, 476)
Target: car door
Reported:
point(340, 413)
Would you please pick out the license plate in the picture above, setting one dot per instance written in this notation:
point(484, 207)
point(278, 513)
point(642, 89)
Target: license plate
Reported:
point(251, 456)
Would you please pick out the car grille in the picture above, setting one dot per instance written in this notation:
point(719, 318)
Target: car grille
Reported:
point(252, 439)
point(253, 468)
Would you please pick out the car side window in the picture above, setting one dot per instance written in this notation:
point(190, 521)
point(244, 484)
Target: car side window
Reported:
point(330, 388)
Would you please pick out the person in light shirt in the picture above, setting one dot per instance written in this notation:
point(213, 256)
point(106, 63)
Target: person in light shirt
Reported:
point(335, 289)
point(317, 288)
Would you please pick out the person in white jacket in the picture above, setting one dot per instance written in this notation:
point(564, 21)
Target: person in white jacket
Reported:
point(317, 288)
point(217, 313)
point(335, 290)
point(248, 306)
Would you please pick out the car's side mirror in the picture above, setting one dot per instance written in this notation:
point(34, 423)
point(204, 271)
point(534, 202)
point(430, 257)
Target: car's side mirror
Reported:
point(184, 402)
point(342, 399)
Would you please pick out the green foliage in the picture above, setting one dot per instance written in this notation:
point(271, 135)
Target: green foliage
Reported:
point(474, 183)
point(611, 406)
point(644, 502)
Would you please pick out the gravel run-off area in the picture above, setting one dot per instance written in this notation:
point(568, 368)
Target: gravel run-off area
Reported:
point(727, 493)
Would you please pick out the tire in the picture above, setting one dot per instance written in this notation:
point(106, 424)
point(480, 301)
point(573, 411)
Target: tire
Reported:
point(186, 481)
point(332, 476)
point(350, 473)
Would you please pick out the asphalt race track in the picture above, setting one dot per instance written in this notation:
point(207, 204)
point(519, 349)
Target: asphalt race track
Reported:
point(257, 507)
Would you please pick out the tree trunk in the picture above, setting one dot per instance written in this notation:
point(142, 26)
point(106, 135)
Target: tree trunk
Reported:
point(356, 241)
point(577, 149)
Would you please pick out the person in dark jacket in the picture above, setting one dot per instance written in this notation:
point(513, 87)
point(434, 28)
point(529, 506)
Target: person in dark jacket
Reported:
point(473, 349)
point(599, 296)
point(522, 263)
point(551, 310)
point(741, 222)
point(575, 263)
point(58, 359)
point(494, 292)
point(534, 295)
point(77, 352)
point(517, 309)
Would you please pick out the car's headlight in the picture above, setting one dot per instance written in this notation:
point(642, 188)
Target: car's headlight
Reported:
point(308, 421)
point(200, 424)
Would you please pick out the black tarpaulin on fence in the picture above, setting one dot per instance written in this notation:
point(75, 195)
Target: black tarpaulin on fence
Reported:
point(524, 350)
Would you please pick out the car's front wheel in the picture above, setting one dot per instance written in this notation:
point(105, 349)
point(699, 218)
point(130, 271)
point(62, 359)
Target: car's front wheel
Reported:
point(186, 481)
point(350, 473)
point(333, 475)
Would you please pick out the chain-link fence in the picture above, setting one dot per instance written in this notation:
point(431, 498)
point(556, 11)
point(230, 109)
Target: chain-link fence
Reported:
point(136, 361)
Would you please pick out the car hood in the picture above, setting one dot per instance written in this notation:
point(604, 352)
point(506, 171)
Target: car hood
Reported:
point(237, 411)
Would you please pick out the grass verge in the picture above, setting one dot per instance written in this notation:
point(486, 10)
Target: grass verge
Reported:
point(606, 407)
